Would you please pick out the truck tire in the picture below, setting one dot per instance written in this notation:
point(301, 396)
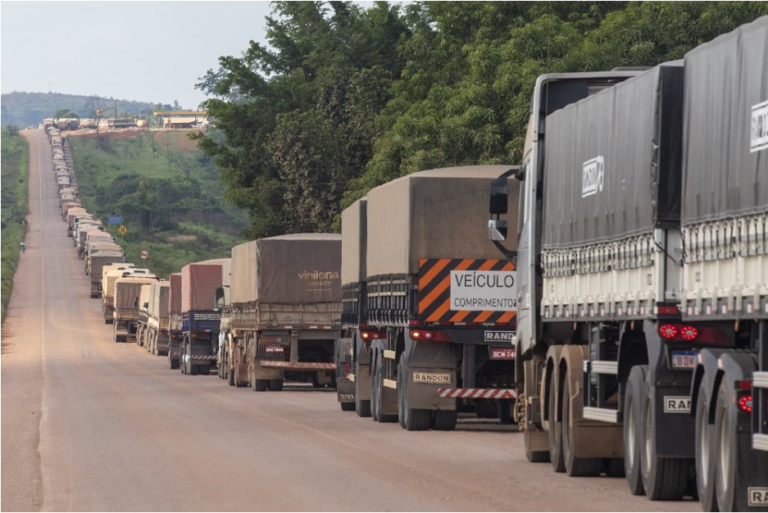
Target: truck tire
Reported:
point(347, 406)
point(411, 419)
point(705, 451)
point(486, 409)
point(504, 408)
point(230, 372)
point(362, 407)
point(555, 431)
point(194, 369)
point(574, 467)
point(531, 455)
point(276, 385)
point(204, 369)
point(445, 420)
point(174, 364)
point(725, 444)
point(260, 385)
point(664, 479)
point(633, 400)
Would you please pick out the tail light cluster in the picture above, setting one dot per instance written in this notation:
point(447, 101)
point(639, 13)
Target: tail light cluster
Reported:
point(372, 335)
point(438, 336)
point(688, 333)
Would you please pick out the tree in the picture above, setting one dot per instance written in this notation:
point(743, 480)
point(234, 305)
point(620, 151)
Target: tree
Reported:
point(64, 113)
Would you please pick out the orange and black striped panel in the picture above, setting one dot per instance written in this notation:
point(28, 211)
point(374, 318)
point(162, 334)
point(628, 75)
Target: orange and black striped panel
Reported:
point(435, 290)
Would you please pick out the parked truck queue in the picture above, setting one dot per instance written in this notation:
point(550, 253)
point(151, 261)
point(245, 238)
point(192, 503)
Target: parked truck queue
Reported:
point(614, 307)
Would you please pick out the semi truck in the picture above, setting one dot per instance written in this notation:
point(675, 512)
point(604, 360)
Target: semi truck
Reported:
point(158, 319)
point(127, 294)
point(437, 318)
point(627, 262)
point(174, 322)
point(143, 305)
point(285, 311)
point(96, 263)
point(200, 321)
point(109, 277)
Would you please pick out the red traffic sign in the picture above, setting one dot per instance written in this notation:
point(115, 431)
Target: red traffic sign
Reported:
point(144, 254)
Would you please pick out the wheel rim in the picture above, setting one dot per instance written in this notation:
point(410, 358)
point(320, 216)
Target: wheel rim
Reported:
point(725, 450)
point(630, 451)
point(648, 446)
point(703, 455)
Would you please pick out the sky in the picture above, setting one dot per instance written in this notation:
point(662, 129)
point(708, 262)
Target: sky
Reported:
point(141, 51)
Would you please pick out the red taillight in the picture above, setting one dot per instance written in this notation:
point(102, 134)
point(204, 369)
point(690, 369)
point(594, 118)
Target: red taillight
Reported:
point(745, 403)
point(346, 369)
point(668, 331)
point(371, 335)
point(689, 333)
point(438, 336)
point(744, 384)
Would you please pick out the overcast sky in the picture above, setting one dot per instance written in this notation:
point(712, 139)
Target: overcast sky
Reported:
point(143, 51)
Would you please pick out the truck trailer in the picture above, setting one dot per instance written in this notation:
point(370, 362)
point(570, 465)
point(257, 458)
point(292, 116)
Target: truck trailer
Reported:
point(158, 319)
point(174, 323)
point(285, 311)
point(127, 294)
point(628, 251)
point(432, 333)
point(200, 321)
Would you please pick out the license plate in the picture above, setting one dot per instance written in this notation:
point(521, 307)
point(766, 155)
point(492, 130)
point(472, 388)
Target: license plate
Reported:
point(684, 359)
point(502, 353)
point(274, 349)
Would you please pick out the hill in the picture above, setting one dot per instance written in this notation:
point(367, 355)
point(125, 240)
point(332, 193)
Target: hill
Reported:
point(167, 192)
point(27, 109)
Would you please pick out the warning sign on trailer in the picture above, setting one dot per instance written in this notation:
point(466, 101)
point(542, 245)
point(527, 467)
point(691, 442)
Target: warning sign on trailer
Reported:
point(467, 290)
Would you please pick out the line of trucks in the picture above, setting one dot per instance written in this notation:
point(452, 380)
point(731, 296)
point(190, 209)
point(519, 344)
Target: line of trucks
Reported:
point(618, 314)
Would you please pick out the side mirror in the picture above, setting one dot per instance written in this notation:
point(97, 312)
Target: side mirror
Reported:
point(499, 196)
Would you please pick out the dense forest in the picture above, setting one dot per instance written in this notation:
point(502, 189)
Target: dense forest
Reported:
point(346, 98)
point(28, 109)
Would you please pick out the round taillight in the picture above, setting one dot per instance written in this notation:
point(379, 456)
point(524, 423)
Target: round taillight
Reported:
point(689, 333)
point(745, 403)
point(668, 331)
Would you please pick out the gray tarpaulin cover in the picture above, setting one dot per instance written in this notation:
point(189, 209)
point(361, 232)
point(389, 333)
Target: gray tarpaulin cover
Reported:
point(101, 258)
point(353, 243)
point(613, 161)
point(199, 282)
point(434, 214)
point(726, 127)
point(174, 296)
point(289, 269)
point(128, 291)
point(158, 299)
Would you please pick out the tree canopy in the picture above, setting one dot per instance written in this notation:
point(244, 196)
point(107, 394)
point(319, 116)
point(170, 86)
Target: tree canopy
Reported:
point(347, 98)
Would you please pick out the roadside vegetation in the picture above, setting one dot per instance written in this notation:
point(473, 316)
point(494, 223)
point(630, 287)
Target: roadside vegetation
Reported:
point(167, 192)
point(344, 98)
point(15, 204)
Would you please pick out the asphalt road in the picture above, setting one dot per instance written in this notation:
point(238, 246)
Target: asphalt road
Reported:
point(90, 425)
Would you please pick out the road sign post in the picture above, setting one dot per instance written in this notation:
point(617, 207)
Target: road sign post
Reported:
point(144, 254)
point(122, 231)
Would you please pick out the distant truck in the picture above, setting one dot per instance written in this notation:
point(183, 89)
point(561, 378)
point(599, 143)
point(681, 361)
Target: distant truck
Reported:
point(94, 265)
point(174, 321)
point(127, 294)
point(141, 324)
point(108, 280)
point(285, 311)
point(200, 320)
point(158, 319)
point(429, 310)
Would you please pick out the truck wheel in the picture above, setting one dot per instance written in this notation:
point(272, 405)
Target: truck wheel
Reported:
point(230, 375)
point(445, 420)
point(347, 406)
point(194, 370)
point(705, 461)
point(260, 385)
point(204, 369)
point(725, 450)
point(633, 400)
point(555, 432)
point(574, 467)
point(664, 479)
point(614, 467)
point(531, 455)
point(276, 385)
point(173, 363)
point(411, 419)
point(363, 408)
